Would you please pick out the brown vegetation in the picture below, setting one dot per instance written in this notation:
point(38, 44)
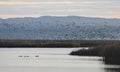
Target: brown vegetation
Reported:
point(110, 53)
point(56, 43)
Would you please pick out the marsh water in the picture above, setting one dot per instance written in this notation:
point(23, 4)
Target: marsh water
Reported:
point(50, 60)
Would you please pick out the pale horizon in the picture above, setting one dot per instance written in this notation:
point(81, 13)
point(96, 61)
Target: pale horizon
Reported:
point(37, 8)
point(58, 16)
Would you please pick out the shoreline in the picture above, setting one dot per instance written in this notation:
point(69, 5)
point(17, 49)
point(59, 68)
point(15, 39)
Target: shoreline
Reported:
point(56, 43)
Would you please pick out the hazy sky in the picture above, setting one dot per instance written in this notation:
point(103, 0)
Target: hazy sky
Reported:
point(36, 8)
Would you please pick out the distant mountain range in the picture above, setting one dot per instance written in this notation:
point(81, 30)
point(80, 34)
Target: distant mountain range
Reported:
point(60, 28)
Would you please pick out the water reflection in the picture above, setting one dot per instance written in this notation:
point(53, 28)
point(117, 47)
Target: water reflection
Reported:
point(112, 69)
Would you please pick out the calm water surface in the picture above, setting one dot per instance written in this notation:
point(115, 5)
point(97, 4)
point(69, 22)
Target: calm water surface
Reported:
point(50, 60)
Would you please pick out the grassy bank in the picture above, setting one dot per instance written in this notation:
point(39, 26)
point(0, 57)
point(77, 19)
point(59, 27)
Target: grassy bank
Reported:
point(56, 43)
point(91, 51)
point(110, 53)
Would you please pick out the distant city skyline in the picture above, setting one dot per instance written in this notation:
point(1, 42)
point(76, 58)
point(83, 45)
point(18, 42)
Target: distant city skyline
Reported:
point(37, 8)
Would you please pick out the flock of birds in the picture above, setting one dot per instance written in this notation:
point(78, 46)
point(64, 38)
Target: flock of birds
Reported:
point(26, 56)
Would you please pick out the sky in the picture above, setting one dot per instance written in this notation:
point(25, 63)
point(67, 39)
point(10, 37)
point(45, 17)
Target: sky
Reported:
point(37, 8)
